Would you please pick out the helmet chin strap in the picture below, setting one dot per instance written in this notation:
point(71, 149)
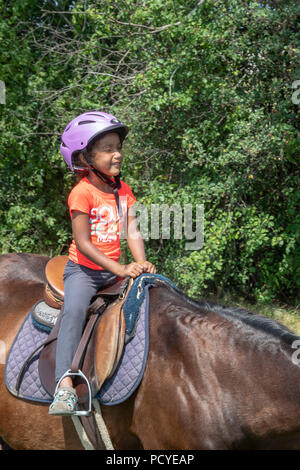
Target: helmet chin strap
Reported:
point(115, 185)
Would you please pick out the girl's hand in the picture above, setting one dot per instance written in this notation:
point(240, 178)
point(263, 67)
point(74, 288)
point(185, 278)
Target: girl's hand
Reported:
point(148, 267)
point(132, 270)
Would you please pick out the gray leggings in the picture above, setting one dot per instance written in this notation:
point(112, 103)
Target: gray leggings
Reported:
point(80, 285)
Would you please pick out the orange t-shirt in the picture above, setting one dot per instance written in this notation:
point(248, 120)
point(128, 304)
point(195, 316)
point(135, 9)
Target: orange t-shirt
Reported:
point(105, 224)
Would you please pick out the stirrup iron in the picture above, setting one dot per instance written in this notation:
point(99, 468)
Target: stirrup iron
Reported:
point(79, 373)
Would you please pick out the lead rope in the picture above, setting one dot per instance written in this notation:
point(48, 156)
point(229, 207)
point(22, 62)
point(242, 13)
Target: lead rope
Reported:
point(82, 434)
point(101, 426)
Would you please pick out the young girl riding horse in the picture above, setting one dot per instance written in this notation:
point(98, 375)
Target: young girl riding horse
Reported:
point(99, 205)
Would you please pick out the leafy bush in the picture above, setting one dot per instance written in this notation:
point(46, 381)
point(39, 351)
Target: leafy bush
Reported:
point(207, 92)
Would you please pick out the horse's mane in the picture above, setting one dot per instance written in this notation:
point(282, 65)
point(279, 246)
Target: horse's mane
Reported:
point(238, 314)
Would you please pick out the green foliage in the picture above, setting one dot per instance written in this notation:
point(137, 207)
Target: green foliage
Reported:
point(207, 93)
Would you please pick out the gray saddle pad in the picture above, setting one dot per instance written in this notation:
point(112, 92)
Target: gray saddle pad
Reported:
point(115, 390)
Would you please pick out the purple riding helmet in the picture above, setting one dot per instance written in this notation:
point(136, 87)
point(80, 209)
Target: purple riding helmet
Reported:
point(82, 130)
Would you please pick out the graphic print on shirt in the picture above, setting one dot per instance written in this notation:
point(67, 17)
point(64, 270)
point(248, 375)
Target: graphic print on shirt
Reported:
point(105, 222)
point(102, 211)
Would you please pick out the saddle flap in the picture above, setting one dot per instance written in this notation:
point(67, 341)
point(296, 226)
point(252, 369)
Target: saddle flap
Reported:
point(109, 343)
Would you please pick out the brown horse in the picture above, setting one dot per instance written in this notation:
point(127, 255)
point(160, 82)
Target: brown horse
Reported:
point(216, 377)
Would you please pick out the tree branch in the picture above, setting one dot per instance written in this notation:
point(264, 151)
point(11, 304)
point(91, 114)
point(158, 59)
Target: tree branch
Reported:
point(150, 29)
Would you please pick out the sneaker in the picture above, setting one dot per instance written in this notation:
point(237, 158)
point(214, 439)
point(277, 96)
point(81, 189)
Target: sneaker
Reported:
point(64, 402)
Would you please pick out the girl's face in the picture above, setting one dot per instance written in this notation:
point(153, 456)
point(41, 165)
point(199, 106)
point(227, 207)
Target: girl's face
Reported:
point(107, 154)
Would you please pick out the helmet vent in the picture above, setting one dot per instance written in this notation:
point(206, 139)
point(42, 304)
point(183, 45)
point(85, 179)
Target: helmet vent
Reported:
point(85, 122)
point(93, 114)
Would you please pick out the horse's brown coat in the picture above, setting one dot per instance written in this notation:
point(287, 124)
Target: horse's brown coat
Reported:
point(210, 383)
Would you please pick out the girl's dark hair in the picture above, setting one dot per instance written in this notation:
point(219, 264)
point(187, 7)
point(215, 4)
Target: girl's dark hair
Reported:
point(77, 162)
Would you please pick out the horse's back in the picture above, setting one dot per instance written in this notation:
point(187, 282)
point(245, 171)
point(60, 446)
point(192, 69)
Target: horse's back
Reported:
point(24, 267)
point(22, 283)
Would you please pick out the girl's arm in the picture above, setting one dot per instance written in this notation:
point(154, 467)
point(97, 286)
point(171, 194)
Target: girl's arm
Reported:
point(81, 236)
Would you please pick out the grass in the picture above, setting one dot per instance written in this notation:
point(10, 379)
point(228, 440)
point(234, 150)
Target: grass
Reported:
point(288, 316)
point(285, 314)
